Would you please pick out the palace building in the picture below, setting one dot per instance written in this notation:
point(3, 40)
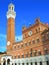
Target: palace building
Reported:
point(32, 50)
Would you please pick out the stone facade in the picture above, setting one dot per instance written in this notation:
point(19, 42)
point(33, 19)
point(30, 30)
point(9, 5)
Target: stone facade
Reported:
point(32, 50)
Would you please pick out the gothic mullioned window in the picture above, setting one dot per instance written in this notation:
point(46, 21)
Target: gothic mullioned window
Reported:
point(30, 54)
point(22, 63)
point(39, 52)
point(36, 31)
point(27, 63)
point(35, 63)
point(37, 40)
point(15, 63)
point(22, 56)
point(31, 63)
point(14, 57)
point(40, 63)
point(26, 54)
point(46, 51)
point(44, 38)
point(14, 47)
point(47, 62)
point(21, 45)
point(48, 36)
point(35, 53)
point(29, 43)
point(33, 42)
point(18, 56)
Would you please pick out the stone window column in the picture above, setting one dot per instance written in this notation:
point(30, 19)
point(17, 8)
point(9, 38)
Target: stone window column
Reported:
point(29, 63)
point(13, 63)
point(38, 63)
point(17, 63)
point(33, 63)
point(20, 63)
point(1, 62)
point(6, 61)
point(44, 63)
point(25, 64)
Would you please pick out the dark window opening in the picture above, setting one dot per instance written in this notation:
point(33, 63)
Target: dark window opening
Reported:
point(27, 55)
point(22, 56)
point(31, 49)
point(31, 63)
point(22, 45)
point(40, 63)
point(18, 63)
point(39, 52)
point(12, 8)
point(31, 54)
point(35, 63)
point(47, 62)
point(27, 63)
point(22, 63)
point(48, 36)
point(33, 41)
point(35, 53)
point(37, 40)
point(44, 38)
point(15, 57)
point(15, 64)
point(18, 56)
point(36, 31)
point(46, 51)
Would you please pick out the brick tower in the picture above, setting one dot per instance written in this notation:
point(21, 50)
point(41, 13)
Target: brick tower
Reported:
point(10, 26)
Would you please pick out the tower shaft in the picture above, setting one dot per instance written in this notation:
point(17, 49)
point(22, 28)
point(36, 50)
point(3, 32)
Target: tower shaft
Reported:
point(11, 30)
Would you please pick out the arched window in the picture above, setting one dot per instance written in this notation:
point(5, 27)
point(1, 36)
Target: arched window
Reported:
point(36, 31)
point(48, 36)
point(18, 63)
point(18, 56)
point(22, 56)
point(46, 51)
point(39, 52)
point(8, 61)
point(35, 52)
point(12, 63)
point(30, 54)
point(33, 42)
point(26, 54)
point(37, 40)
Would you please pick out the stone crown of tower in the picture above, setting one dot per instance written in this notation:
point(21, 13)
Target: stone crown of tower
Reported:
point(11, 12)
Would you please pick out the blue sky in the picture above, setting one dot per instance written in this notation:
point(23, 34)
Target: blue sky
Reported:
point(26, 12)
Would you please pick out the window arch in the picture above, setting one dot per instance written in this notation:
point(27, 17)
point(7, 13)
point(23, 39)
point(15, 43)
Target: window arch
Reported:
point(8, 61)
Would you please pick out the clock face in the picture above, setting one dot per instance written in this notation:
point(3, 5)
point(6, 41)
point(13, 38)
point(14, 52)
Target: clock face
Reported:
point(30, 33)
point(8, 43)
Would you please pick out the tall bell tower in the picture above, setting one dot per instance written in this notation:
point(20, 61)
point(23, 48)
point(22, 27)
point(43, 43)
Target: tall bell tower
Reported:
point(11, 14)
